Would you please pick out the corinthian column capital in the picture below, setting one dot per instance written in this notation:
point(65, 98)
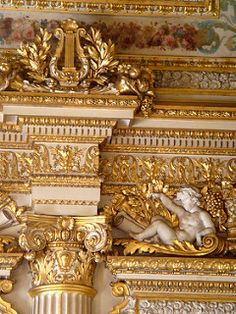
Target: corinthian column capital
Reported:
point(62, 253)
point(64, 249)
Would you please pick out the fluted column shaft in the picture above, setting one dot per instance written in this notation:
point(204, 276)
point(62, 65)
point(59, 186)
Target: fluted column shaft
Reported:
point(62, 299)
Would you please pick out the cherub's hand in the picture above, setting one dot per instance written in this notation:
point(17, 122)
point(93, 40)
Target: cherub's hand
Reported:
point(155, 195)
point(136, 236)
point(202, 234)
point(199, 239)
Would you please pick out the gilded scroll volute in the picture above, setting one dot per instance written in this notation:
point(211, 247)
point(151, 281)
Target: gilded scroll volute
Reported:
point(63, 249)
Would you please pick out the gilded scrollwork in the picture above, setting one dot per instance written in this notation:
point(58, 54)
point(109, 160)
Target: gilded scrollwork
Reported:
point(6, 308)
point(120, 289)
point(89, 66)
point(129, 168)
point(9, 212)
point(44, 159)
point(65, 159)
point(5, 75)
point(63, 249)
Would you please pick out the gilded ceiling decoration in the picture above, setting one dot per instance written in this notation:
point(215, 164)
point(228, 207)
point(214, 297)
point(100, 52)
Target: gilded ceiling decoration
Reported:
point(136, 35)
point(186, 56)
point(112, 144)
point(88, 66)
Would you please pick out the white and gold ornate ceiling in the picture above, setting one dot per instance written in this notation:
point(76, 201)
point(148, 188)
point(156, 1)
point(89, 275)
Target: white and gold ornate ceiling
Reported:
point(189, 46)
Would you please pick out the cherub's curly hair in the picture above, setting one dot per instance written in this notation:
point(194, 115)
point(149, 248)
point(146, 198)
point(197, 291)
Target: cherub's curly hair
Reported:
point(192, 193)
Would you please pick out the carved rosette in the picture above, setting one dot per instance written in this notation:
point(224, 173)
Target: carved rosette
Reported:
point(64, 250)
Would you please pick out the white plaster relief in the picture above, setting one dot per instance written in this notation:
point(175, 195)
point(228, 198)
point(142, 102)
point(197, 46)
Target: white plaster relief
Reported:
point(180, 307)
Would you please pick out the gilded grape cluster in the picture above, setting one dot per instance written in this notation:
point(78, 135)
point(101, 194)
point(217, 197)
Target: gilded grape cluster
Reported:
point(215, 207)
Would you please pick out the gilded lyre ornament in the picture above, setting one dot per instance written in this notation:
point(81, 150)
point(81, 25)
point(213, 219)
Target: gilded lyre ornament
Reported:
point(159, 224)
point(81, 63)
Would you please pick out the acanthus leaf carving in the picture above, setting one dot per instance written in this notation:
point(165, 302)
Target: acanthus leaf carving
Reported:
point(63, 249)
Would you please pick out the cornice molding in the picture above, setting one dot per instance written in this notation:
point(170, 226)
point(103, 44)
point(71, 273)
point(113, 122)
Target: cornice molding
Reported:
point(171, 265)
point(200, 8)
point(68, 100)
point(198, 64)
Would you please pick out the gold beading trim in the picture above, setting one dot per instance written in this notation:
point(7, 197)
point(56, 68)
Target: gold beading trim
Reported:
point(171, 265)
point(19, 187)
point(68, 100)
point(183, 286)
point(206, 64)
point(191, 91)
point(65, 139)
point(66, 288)
point(66, 181)
point(184, 297)
point(60, 121)
point(65, 202)
point(169, 150)
point(177, 133)
point(173, 111)
point(204, 9)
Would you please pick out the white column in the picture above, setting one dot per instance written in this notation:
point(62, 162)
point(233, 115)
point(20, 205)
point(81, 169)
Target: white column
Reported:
point(62, 299)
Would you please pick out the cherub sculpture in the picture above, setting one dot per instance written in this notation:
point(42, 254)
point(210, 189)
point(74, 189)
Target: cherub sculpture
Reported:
point(194, 222)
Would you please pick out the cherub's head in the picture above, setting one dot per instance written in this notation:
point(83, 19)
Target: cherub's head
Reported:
point(189, 198)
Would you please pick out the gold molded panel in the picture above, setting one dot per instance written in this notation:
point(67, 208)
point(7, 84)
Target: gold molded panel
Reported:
point(200, 8)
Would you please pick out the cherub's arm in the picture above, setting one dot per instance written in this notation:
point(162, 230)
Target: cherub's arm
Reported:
point(208, 227)
point(178, 210)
